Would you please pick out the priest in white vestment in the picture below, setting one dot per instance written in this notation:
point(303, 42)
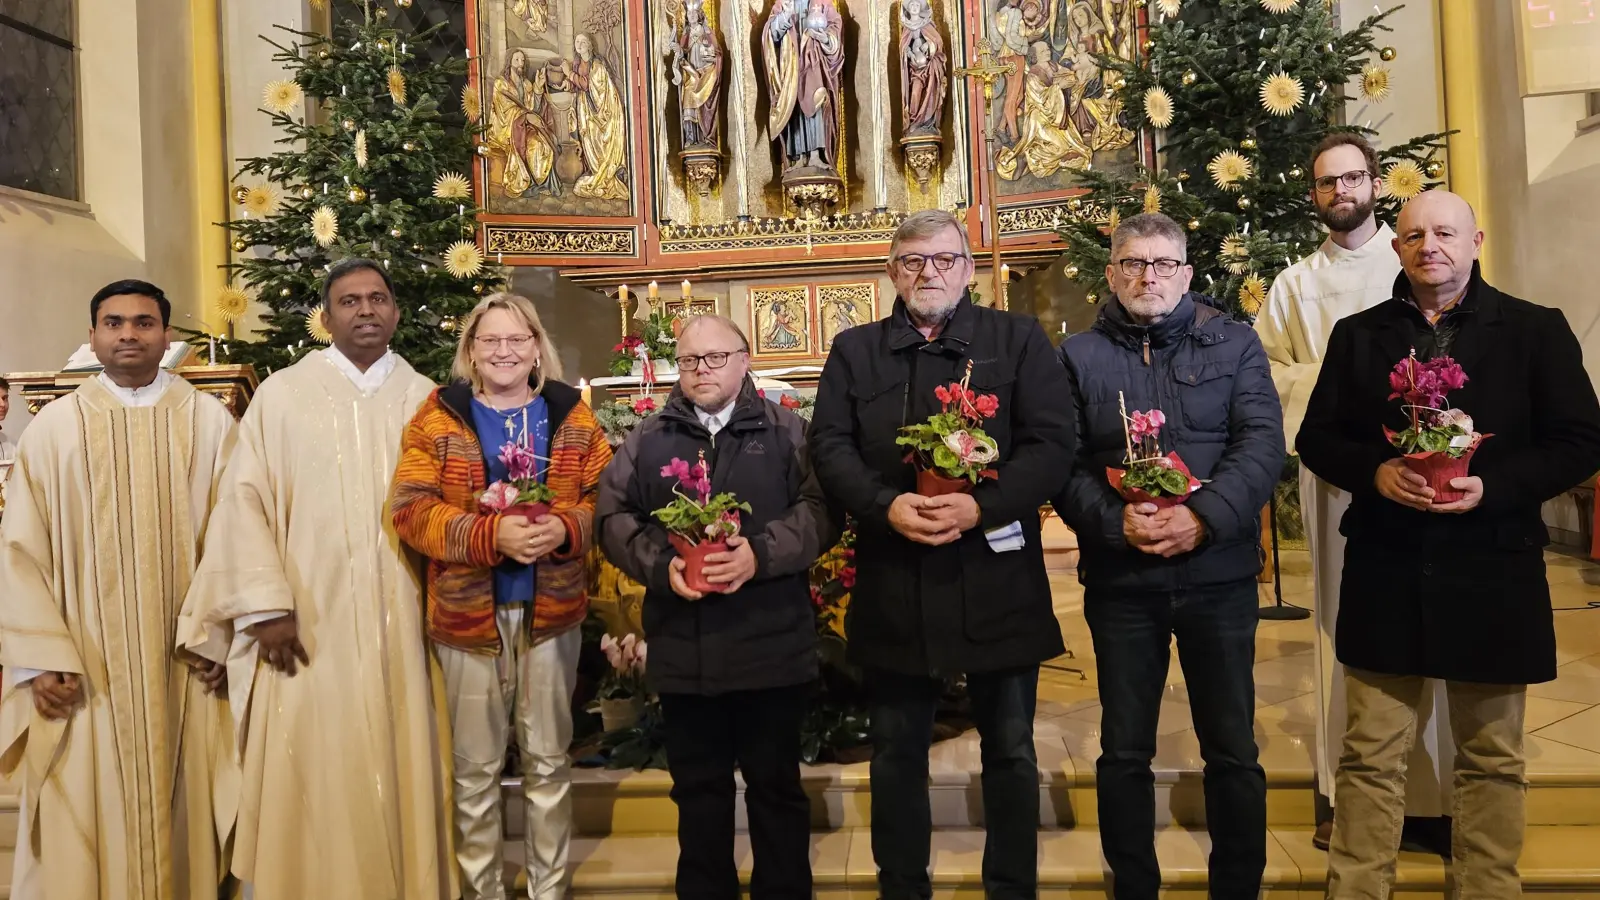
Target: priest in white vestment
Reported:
point(1354, 269)
point(307, 593)
point(120, 745)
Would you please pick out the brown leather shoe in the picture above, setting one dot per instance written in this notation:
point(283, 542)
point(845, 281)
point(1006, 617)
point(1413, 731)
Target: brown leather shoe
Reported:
point(1324, 835)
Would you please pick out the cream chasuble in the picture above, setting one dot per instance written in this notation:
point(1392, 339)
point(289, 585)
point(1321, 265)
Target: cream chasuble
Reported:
point(343, 789)
point(133, 795)
point(1305, 302)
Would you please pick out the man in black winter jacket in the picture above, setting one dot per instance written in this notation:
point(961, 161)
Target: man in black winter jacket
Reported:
point(734, 669)
point(1187, 570)
point(949, 584)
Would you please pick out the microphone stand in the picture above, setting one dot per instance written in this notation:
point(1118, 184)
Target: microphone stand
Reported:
point(1280, 611)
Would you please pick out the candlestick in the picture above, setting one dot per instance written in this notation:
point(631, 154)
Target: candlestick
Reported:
point(655, 291)
point(686, 289)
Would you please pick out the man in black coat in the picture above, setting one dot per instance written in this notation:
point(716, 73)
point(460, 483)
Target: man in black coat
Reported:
point(734, 669)
point(949, 584)
point(1187, 570)
point(1454, 591)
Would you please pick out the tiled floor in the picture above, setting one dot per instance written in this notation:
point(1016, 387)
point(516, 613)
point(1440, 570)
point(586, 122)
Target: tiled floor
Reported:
point(1563, 718)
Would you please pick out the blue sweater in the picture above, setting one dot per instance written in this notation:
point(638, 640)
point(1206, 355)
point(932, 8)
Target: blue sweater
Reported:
point(513, 581)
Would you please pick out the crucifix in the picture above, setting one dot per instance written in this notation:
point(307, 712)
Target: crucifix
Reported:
point(989, 72)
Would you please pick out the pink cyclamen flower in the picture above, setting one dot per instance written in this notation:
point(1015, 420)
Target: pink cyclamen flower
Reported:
point(1139, 424)
point(520, 462)
point(499, 497)
point(613, 651)
point(639, 653)
point(676, 469)
point(1157, 419)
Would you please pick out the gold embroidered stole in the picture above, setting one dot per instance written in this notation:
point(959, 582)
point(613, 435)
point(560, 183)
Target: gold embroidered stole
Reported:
point(137, 466)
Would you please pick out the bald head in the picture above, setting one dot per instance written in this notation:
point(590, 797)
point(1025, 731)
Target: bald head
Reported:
point(711, 323)
point(1437, 238)
point(708, 341)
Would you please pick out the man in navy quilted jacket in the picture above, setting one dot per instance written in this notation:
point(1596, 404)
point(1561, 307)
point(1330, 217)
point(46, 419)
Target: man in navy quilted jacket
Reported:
point(1187, 570)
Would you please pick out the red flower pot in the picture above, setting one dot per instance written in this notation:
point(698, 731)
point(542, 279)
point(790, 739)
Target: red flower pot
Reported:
point(530, 511)
point(1439, 468)
point(931, 484)
point(1140, 495)
point(694, 561)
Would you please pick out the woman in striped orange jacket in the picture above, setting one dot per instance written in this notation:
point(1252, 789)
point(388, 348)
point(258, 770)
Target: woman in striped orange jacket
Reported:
point(506, 594)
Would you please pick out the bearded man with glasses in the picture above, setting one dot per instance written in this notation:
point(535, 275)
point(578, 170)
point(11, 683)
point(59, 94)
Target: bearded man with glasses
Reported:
point(733, 667)
point(951, 584)
point(1354, 270)
point(1187, 570)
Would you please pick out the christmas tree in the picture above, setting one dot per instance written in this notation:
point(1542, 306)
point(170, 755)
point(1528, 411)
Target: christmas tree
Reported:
point(1239, 92)
point(371, 167)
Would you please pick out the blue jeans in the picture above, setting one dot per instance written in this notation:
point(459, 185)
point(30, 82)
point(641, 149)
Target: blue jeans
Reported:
point(903, 707)
point(1216, 629)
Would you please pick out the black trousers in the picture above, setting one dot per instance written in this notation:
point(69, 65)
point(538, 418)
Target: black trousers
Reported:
point(759, 731)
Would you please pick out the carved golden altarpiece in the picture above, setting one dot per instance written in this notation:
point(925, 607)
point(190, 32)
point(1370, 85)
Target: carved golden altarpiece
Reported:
point(631, 141)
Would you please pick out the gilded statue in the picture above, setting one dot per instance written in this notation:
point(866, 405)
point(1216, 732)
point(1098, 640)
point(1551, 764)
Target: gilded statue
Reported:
point(803, 46)
point(696, 67)
point(534, 13)
point(522, 129)
point(1049, 138)
point(924, 70)
point(602, 125)
point(1019, 24)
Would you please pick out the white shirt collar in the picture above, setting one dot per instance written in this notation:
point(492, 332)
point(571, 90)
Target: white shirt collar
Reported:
point(370, 381)
point(715, 422)
point(140, 397)
point(1381, 240)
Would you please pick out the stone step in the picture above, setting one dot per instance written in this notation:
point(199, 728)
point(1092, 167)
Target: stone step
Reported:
point(1558, 861)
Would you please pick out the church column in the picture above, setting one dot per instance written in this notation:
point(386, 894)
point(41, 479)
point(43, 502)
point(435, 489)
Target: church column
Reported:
point(737, 39)
point(879, 152)
point(210, 153)
point(1461, 32)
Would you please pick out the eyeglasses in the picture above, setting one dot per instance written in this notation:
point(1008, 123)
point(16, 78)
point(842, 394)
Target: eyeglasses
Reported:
point(710, 360)
point(1134, 268)
point(1351, 179)
point(915, 262)
point(515, 341)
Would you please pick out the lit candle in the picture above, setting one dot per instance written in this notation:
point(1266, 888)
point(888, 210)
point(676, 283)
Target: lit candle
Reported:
point(1005, 272)
point(686, 289)
point(622, 294)
point(584, 390)
point(654, 291)
point(211, 350)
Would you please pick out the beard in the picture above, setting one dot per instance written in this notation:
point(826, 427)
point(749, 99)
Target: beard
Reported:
point(1346, 220)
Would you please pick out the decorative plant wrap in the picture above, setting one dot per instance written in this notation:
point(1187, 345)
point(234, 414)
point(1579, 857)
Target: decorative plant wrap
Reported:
point(950, 445)
point(931, 484)
point(1150, 476)
point(1440, 442)
point(700, 524)
point(522, 493)
point(1169, 472)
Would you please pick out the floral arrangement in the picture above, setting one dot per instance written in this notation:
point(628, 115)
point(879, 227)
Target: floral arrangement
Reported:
point(521, 493)
point(619, 417)
point(698, 523)
point(833, 577)
point(950, 450)
point(1150, 476)
point(625, 680)
point(657, 340)
point(1440, 441)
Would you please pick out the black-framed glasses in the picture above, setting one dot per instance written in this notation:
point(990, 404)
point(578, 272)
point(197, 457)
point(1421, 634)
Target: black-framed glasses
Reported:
point(710, 360)
point(1134, 268)
point(915, 262)
point(1351, 179)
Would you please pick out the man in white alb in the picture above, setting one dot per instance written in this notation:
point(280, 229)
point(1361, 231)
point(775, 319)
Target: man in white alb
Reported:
point(1354, 269)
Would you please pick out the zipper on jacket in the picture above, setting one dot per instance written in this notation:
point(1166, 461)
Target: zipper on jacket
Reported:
point(1147, 349)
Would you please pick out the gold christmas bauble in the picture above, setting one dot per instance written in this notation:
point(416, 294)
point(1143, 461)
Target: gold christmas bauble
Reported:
point(1190, 77)
point(1183, 175)
point(1434, 168)
point(1248, 144)
point(383, 45)
point(285, 292)
point(403, 4)
point(1194, 224)
point(1075, 204)
point(239, 193)
point(239, 246)
point(1387, 54)
point(1118, 82)
point(381, 13)
point(357, 194)
point(448, 323)
point(1070, 271)
point(1139, 4)
point(483, 149)
point(1245, 203)
point(1092, 297)
point(395, 232)
point(349, 124)
point(416, 248)
point(1296, 172)
point(408, 147)
point(323, 54)
point(307, 192)
point(1321, 85)
point(477, 289)
point(1147, 46)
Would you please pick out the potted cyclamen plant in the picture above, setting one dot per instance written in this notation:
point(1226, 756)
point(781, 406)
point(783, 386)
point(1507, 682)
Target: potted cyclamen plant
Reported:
point(698, 524)
point(950, 450)
point(521, 493)
point(1440, 442)
point(620, 699)
point(1151, 476)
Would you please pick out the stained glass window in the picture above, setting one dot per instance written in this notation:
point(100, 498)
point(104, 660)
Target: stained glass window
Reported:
point(39, 97)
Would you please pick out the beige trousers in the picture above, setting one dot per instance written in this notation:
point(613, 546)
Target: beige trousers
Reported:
point(1490, 786)
point(1428, 791)
point(528, 686)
